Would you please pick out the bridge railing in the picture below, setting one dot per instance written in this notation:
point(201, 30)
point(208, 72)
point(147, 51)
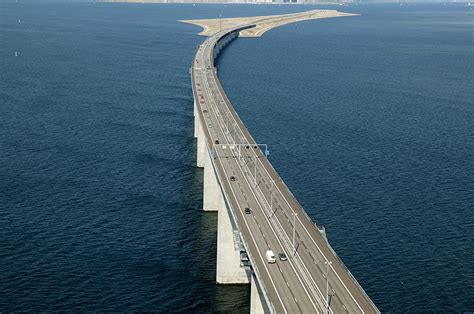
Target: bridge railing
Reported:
point(234, 217)
point(247, 136)
point(226, 197)
point(233, 30)
point(251, 141)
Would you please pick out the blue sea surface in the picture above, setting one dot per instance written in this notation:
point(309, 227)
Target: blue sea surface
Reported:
point(369, 121)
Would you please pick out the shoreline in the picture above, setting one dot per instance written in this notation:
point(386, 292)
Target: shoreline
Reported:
point(263, 23)
point(225, 3)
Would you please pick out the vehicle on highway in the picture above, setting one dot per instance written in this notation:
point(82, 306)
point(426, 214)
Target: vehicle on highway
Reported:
point(247, 210)
point(216, 142)
point(270, 257)
point(232, 178)
point(282, 256)
point(244, 259)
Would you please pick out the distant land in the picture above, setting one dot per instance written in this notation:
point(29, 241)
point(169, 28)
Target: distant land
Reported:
point(262, 23)
point(340, 2)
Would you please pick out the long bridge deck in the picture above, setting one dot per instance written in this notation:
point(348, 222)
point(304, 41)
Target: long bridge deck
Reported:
point(277, 221)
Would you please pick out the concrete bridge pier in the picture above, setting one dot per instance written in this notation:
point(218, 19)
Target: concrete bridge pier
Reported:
point(228, 240)
point(257, 300)
point(228, 270)
point(196, 120)
point(201, 140)
point(223, 42)
point(213, 199)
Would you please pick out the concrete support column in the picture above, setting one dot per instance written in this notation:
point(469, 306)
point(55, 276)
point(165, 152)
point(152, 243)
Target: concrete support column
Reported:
point(196, 121)
point(201, 142)
point(228, 252)
point(256, 298)
point(213, 200)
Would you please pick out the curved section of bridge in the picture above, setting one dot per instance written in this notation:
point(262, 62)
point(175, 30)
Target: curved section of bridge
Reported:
point(257, 212)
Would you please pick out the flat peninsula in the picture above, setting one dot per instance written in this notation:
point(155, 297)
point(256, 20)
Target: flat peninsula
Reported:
point(263, 23)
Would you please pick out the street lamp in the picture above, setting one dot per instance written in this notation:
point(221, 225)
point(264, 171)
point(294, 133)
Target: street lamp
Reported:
point(327, 285)
point(294, 232)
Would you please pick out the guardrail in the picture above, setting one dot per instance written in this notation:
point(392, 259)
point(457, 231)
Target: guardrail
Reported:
point(245, 135)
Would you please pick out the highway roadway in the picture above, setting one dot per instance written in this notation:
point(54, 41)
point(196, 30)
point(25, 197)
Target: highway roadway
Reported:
point(277, 221)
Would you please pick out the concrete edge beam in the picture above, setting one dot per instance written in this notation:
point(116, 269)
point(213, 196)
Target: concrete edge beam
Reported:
point(257, 300)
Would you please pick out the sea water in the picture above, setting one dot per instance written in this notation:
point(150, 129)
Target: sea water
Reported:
point(368, 120)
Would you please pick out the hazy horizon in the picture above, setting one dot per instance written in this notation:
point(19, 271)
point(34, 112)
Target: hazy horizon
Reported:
point(327, 2)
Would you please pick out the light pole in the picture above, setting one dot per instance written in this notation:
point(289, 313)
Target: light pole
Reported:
point(294, 232)
point(327, 285)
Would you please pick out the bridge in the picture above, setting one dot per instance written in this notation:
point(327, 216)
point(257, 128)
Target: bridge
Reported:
point(257, 212)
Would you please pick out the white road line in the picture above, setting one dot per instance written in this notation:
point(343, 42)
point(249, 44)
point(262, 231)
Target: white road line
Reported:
point(250, 232)
point(301, 223)
point(276, 236)
point(291, 208)
point(232, 110)
point(254, 241)
point(257, 201)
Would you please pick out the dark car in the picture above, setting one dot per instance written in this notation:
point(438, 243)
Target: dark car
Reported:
point(216, 142)
point(247, 210)
point(232, 178)
point(282, 256)
point(244, 259)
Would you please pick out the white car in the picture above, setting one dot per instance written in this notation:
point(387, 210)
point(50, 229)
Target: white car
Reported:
point(270, 257)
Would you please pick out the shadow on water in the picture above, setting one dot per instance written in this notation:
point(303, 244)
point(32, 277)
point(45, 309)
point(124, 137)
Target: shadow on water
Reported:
point(369, 121)
point(100, 199)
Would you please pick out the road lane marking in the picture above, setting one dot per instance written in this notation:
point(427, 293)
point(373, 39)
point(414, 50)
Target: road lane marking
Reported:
point(276, 236)
point(251, 235)
point(255, 242)
point(283, 196)
point(301, 223)
point(232, 111)
point(307, 232)
point(257, 201)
